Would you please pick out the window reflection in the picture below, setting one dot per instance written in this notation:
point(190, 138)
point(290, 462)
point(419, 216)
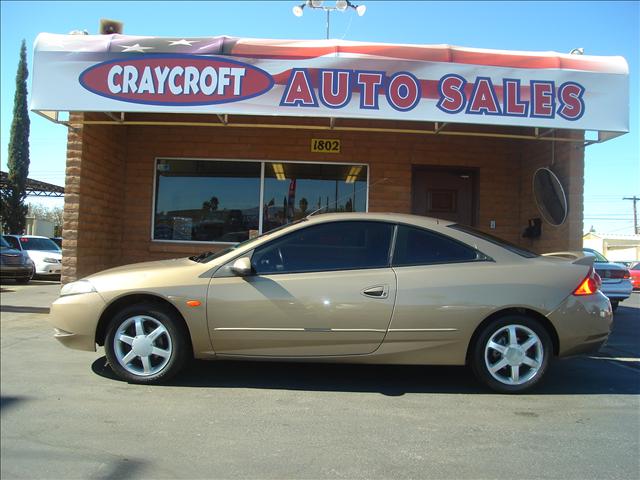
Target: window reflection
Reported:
point(206, 201)
point(294, 190)
point(219, 201)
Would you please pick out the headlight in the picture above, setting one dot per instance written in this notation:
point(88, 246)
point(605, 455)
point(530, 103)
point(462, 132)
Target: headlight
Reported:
point(50, 260)
point(75, 288)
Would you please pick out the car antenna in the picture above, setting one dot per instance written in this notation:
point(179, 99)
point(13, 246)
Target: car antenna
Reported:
point(335, 202)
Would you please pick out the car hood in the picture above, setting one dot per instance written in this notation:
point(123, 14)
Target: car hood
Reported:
point(157, 266)
point(11, 252)
point(149, 276)
point(39, 254)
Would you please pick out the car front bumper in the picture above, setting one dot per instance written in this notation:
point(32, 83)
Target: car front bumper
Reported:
point(49, 269)
point(75, 320)
point(15, 271)
point(583, 323)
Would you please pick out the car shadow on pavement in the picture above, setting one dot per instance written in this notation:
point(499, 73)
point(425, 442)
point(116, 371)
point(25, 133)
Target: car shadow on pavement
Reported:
point(8, 401)
point(576, 376)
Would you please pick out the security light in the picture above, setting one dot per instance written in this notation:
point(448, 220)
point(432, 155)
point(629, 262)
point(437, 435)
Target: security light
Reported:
point(340, 5)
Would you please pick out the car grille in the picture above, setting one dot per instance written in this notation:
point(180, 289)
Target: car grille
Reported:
point(12, 259)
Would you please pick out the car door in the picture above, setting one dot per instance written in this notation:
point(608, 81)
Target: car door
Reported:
point(326, 289)
point(441, 293)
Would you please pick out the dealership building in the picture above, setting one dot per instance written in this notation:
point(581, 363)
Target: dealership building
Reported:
point(181, 145)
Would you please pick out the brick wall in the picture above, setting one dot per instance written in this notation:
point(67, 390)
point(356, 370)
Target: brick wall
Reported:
point(94, 199)
point(110, 172)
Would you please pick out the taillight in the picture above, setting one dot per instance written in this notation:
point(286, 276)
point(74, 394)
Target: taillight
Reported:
point(626, 275)
point(589, 285)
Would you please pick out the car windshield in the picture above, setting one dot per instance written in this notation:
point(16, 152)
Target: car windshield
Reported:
point(4, 244)
point(523, 252)
point(31, 243)
point(599, 257)
point(635, 266)
point(208, 256)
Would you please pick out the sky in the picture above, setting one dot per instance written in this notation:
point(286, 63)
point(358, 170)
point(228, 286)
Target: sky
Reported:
point(612, 169)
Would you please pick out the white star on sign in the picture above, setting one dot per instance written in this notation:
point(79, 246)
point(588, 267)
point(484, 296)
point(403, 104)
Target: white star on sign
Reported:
point(134, 48)
point(187, 43)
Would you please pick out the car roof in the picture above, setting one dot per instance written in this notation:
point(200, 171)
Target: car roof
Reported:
point(417, 220)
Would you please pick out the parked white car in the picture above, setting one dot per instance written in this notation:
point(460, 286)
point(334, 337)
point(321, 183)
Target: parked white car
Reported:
point(44, 252)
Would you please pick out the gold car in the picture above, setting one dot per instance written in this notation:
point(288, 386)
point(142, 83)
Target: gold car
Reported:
point(349, 287)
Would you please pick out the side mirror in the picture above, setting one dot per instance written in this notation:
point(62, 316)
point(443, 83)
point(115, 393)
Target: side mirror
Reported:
point(242, 267)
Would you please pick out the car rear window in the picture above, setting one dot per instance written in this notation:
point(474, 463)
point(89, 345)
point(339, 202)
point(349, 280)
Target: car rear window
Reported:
point(416, 246)
point(523, 252)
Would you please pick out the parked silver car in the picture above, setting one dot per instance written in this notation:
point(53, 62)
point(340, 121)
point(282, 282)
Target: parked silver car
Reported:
point(616, 279)
point(15, 264)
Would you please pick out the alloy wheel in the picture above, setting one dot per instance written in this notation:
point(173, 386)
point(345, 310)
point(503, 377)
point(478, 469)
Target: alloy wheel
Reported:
point(142, 345)
point(514, 355)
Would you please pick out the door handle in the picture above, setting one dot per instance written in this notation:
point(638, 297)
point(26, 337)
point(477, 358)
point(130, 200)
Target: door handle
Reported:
point(377, 291)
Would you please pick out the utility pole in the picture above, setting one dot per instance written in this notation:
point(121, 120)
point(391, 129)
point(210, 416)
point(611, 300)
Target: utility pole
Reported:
point(635, 199)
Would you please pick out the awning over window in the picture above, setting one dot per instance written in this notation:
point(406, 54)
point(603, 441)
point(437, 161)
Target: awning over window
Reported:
point(330, 78)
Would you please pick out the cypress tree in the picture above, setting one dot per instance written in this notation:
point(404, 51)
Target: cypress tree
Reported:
point(14, 211)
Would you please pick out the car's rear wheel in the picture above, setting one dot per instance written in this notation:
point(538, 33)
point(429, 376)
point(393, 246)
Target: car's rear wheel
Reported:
point(511, 354)
point(146, 343)
point(614, 305)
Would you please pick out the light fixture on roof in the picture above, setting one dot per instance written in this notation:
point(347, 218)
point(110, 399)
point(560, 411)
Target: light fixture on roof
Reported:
point(109, 27)
point(577, 51)
point(340, 5)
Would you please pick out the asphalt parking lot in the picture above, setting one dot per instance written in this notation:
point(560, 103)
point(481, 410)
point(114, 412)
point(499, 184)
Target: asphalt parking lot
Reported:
point(63, 415)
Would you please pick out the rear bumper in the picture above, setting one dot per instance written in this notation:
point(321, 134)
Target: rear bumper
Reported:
point(583, 323)
point(617, 291)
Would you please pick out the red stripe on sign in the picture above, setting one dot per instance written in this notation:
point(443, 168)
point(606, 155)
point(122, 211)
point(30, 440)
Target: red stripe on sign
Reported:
point(426, 54)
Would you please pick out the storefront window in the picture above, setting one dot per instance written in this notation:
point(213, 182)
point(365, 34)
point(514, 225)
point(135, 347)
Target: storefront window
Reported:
point(219, 201)
point(294, 190)
point(206, 201)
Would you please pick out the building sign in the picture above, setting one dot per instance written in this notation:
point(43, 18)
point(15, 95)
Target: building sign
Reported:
point(325, 145)
point(117, 73)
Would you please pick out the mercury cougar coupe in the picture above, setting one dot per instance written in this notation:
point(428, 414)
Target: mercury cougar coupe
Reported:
point(348, 287)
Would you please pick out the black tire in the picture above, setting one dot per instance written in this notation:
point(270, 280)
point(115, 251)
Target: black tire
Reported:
point(614, 305)
point(174, 340)
point(498, 326)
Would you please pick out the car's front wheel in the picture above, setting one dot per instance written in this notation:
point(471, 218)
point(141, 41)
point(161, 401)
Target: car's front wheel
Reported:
point(146, 343)
point(511, 354)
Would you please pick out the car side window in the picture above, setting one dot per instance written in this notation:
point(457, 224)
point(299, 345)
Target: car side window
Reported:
point(343, 245)
point(13, 241)
point(417, 246)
